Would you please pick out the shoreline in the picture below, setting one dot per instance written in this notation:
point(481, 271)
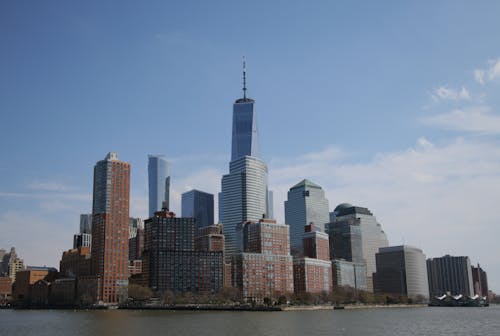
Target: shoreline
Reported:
point(191, 307)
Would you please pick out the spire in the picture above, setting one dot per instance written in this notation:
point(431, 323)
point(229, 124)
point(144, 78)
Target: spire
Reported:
point(244, 79)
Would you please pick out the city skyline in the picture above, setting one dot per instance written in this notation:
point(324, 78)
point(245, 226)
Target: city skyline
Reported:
point(420, 149)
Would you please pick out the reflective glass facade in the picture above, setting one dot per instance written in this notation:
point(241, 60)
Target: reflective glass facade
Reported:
point(159, 183)
point(199, 205)
point(305, 203)
point(245, 141)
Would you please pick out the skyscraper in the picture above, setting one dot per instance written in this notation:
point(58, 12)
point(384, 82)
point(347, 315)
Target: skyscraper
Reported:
point(356, 236)
point(245, 139)
point(159, 183)
point(200, 205)
point(110, 226)
point(244, 194)
point(450, 274)
point(305, 204)
point(401, 270)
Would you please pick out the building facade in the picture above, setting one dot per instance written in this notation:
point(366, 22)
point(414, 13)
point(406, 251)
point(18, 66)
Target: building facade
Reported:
point(265, 267)
point(401, 270)
point(244, 192)
point(170, 261)
point(159, 183)
point(305, 204)
point(110, 226)
point(75, 263)
point(312, 273)
point(348, 273)
point(450, 274)
point(356, 236)
point(199, 205)
point(480, 281)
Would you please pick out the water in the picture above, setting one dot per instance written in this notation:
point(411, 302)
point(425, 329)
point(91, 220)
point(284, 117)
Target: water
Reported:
point(373, 322)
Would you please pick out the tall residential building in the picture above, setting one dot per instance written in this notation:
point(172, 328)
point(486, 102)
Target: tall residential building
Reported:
point(450, 274)
point(312, 273)
point(199, 205)
point(159, 183)
point(11, 264)
point(110, 226)
point(135, 224)
point(305, 204)
point(401, 270)
point(356, 236)
point(265, 267)
point(480, 280)
point(170, 260)
point(244, 193)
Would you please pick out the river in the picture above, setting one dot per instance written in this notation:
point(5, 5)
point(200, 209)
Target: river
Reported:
point(373, 322)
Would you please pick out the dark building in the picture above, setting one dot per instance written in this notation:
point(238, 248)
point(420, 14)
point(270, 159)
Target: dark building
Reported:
point(199, 205)
point(450, 274)
point(401, 270)
point(75, 263)
point(345, 240)
point(480, 280)
point(170, 261)
point(136, 245)
point(209, 238)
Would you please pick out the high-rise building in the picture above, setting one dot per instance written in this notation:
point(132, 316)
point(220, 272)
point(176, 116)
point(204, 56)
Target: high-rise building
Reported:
point(265, 267)
point(401, 270)
point(305, 204)
point(11, 264)
point(82, 240)
point(244, 193)
point(356, 236)
point(312, 273)
point(86, 223)
point(170, 261)
point(110, 226)
point(450, 274)
point(480, 280)
point(199, 205)
point(135, 224)
point(159, 183)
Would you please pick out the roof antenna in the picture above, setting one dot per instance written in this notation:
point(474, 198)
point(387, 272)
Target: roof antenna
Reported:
point(244, 79)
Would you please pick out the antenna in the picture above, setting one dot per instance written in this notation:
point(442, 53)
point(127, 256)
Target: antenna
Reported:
point(244, 78)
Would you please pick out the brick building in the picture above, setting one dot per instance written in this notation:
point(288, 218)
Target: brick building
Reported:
point(265, 268)
point(110, 227)
point(75, 262)
point(312, 273)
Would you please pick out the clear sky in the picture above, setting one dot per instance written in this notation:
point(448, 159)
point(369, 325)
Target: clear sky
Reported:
point(390, 105)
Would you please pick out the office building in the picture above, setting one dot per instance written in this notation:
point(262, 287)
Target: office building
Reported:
point(265, 267)
point(305, 204)
point(159, 183)
point(356, 236)
point(450, 274)
point(110, 226)
point(480, 281)
point(401, 270)
point(348, 273)
point(86, 223)
point(199, 205)
point(244, 192)
point(170, 261)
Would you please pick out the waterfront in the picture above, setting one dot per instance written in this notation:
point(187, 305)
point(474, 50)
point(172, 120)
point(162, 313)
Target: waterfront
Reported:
point(373, 322)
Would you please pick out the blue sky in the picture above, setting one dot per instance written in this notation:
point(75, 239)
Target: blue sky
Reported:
point(389, 105)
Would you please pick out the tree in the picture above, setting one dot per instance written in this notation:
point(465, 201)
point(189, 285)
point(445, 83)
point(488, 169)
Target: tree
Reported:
point(139, 293)
point(168, 297)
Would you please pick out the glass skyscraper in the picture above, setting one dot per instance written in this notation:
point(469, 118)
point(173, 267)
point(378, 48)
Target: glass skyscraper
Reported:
point(159, 183)
point(244, 193)
point(305, 204)
point(199, 205)
point(356, 236)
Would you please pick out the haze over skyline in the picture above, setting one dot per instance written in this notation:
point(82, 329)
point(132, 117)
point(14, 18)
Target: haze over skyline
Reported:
point(390, 106)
